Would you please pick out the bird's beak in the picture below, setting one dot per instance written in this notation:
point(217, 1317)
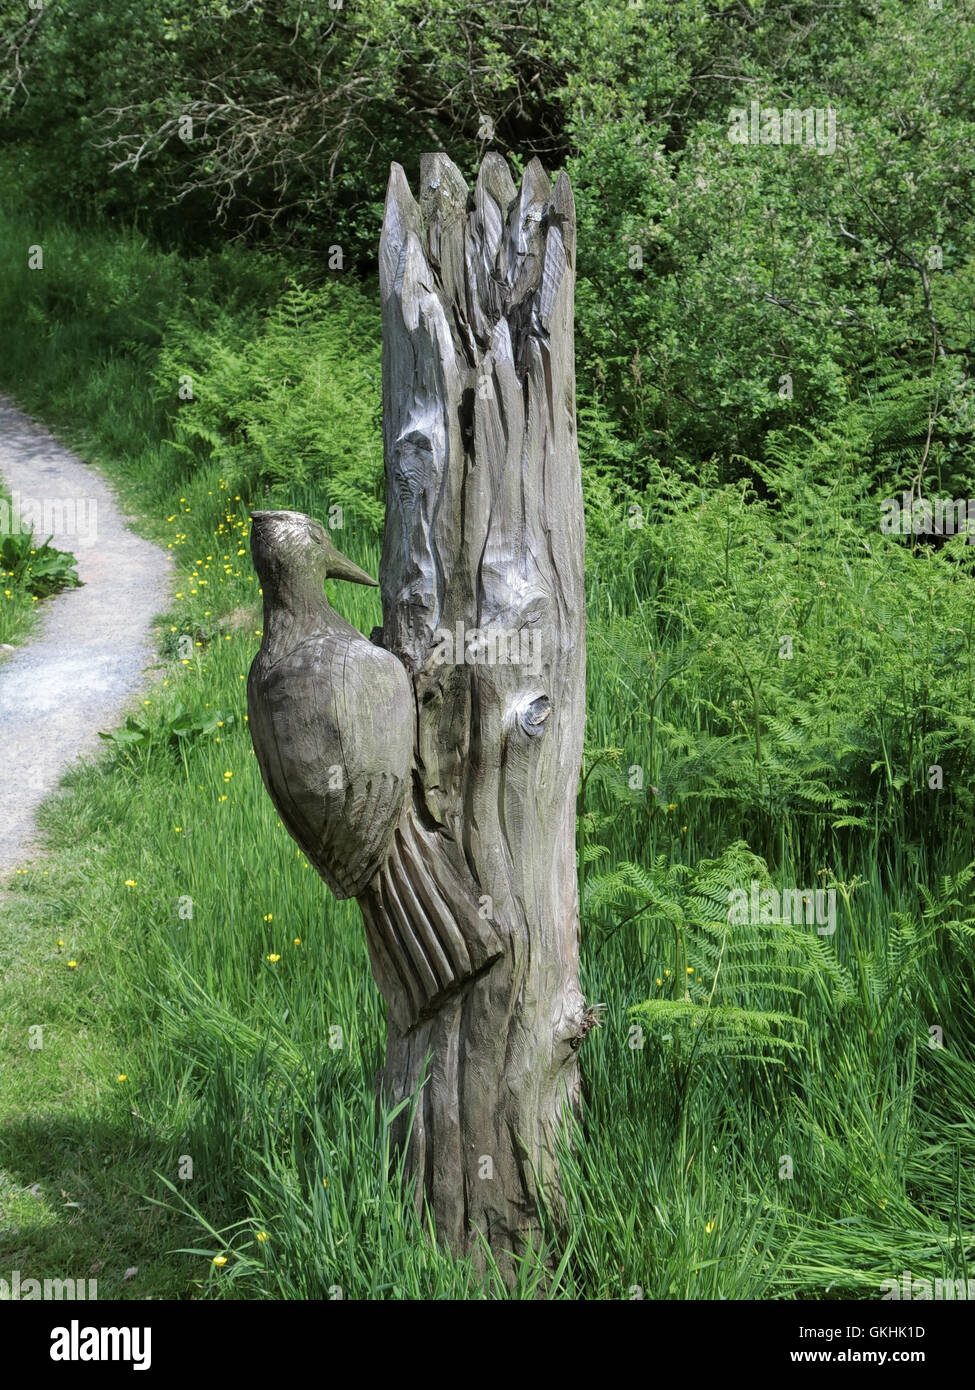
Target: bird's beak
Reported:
point(341, 568)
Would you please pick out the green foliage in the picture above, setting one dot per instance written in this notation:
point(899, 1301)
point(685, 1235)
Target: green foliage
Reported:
point(284, 381)
point(781, 661)
point(38, 568)
point(709, 272)
point(296, 405)
point(772, 679)
point(179, 728)
point(16, 603)
point(737, 998)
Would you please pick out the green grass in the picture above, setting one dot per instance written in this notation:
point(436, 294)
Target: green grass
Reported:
point(170, 883)
point(30, 571)
point(17, 603)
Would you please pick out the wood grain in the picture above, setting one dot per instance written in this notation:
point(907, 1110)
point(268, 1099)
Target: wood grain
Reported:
point(459, 728)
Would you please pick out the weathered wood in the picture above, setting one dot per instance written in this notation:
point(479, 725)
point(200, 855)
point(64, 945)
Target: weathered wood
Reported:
point(329, 713)
point(472, 918)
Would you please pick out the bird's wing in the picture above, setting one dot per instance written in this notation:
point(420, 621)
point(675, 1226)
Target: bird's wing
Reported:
point(332, 724)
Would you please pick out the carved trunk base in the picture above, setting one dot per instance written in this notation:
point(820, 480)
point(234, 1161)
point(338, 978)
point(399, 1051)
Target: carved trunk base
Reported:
point(499, 1077)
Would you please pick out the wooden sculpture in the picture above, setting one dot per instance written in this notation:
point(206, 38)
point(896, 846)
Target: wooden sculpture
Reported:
point(432, 771)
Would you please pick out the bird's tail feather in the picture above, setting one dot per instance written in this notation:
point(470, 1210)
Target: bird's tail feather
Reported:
point(423, 927)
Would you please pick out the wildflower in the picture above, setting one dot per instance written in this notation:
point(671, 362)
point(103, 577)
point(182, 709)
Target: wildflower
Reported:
point(269, 916)
point(227, 776)
point(709, 1228)
point(130, 883)
point(72, 964)
point(672, 806)
point(60, 942)
point(659, 980)
point(297, 940)
point(273, 959)
point(121, 1076)
point(220, 1260)
point(262, 1235)
point(690, 970)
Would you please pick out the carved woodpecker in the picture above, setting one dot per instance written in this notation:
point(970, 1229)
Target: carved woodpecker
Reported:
point(331, 714)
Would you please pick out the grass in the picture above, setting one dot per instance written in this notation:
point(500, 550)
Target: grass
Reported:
point(17, 604)
point(705, 1170)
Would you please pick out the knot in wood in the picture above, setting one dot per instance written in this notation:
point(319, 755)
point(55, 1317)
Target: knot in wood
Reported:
point(531, 714)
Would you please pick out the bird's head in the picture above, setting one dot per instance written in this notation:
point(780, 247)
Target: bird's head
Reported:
point(288, 546)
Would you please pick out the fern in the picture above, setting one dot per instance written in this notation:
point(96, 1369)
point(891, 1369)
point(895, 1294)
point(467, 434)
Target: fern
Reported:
point(730, 991)
point(296, 406)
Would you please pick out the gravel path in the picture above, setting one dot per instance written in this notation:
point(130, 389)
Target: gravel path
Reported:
point(79, 671)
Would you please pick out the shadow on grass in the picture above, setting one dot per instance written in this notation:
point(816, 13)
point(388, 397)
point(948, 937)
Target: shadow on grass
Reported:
point(74, 1204)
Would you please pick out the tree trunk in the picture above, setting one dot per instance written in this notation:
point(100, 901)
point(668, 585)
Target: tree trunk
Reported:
point(472, 921)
